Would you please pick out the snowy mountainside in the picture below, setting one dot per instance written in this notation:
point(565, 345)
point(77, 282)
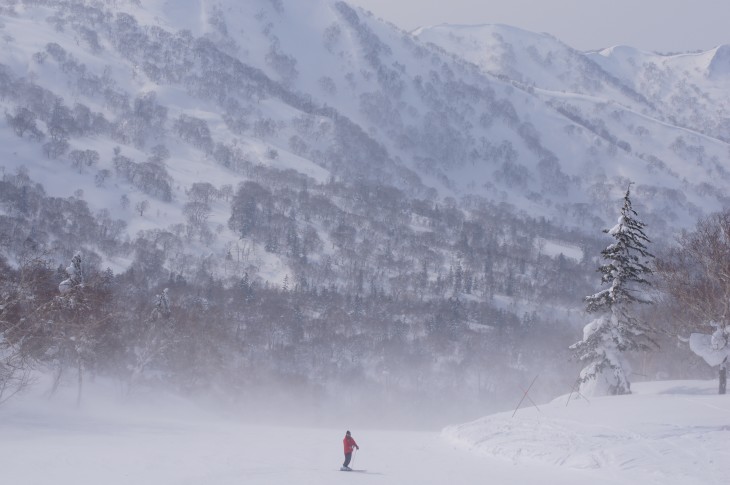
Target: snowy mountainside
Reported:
point(161, 100)
point(685, 90)
point(329, 90)
point(690, 89)
point(289, 173)
point(401, 212)
point(665, 432)
point(531, 59)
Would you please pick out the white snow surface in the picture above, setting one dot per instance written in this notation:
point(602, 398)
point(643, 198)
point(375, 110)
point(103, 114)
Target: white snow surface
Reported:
point(556, 248)
point(672, 432)
point(666, 433)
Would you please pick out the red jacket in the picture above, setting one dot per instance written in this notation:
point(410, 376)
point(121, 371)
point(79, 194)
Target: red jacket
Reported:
point(350, 444)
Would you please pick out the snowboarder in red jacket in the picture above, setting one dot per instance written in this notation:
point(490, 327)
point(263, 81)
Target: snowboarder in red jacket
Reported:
point(350, 445)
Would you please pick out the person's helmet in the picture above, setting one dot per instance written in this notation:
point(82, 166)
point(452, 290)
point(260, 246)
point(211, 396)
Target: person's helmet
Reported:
point(348, 433)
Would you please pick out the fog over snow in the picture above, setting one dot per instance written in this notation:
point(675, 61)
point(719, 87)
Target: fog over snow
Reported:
point(671, 433)
point(231, 230)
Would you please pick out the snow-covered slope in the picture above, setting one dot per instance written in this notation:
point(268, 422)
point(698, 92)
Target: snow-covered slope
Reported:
point(665, 432)
point(690, 89)
point(328, 90)
point(656, 115)
point(671, 433)
point(531, 59)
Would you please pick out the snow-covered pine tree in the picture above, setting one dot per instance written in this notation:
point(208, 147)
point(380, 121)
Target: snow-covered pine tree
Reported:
point(162, 306)
point(75, 274)
point(616, 328)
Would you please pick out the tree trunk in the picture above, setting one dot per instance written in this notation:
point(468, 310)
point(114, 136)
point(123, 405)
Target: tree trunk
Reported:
point(57, 380)
point(81, 382)
point(723, 377)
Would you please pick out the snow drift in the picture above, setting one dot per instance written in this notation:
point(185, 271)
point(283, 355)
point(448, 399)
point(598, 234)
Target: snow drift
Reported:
point(667, 432)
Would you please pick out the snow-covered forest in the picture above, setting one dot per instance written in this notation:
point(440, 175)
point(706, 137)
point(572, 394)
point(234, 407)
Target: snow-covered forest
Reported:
point(286, 205)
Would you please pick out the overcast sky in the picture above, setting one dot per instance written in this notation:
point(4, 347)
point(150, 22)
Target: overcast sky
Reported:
point(654, 25)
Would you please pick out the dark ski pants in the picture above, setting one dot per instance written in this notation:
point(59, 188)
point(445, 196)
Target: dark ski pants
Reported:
point(348, 457)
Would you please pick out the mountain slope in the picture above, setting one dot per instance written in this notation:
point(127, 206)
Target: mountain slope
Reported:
point(531, 59)
point(671, 122)
point(691, 89)
point(330, 201)
point(386, 106)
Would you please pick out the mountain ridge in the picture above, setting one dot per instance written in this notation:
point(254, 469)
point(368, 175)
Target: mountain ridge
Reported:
point(377, 107)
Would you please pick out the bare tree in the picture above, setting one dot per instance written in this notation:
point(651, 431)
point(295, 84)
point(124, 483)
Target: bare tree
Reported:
point(197, 213)
point(142, 206)
point(22, 121)
point(154, 339)
point(82, 159)
point(696, 278)
point(19, 293)
point(73, 322)
point(202, 192)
